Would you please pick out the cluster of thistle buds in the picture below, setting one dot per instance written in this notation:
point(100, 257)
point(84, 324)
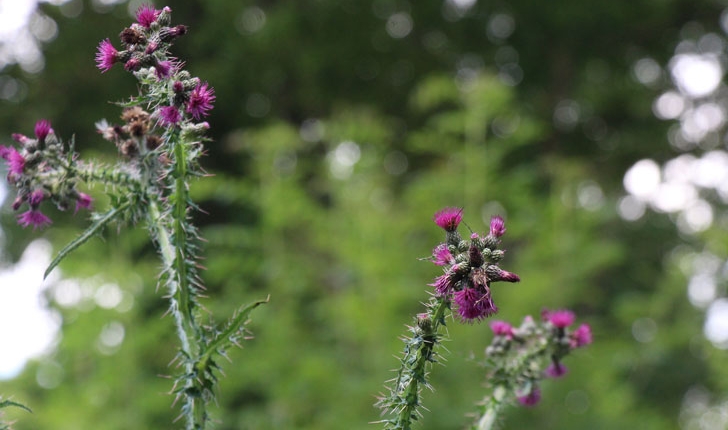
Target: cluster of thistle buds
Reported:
point(41, 170)
point(522, 356)
point(470, 266)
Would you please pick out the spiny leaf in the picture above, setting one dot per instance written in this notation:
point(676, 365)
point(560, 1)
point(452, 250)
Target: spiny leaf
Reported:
point(233, 326)
point(6, 403)
point(86, 235)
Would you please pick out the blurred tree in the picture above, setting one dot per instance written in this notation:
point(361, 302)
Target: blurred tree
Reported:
point(340, 127)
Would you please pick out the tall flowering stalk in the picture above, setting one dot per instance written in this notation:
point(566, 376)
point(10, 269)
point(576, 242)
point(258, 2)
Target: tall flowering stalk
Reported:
point(469, 266)
point(519, 358)
point(160, 142)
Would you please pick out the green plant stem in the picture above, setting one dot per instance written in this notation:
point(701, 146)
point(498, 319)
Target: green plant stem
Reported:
point(492, 406)
point(194, 408)
point(195, 404)
point(413, 374)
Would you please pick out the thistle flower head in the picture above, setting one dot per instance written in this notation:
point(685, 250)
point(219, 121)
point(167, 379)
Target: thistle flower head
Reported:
point(33, 217)
point(169, 115)
point(43, 129)
point(83, 201)
point(132, 65)
point(14, 160)
point(561, 318)
point(473, 304)
point(200, 102)
point(442, 255)
point(556, 370)
point(582, 336)
point(164, 69)
point(497, 226)
point(532, 398)
point(35, 198)
point(443, 285)
point(501, 328)
point(146, 15)
point(106, 56)
point(449, 218)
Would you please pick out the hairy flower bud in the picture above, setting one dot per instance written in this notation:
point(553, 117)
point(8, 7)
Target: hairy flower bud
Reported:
point(476, 257)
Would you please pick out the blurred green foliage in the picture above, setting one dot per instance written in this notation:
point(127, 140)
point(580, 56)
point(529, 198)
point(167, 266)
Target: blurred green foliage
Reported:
point(334, 145)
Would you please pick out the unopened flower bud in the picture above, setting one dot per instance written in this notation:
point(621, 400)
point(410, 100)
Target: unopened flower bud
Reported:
point(133, 64)
point(424, 322)
point(497, 255)
point(168, 34)
point(165, 16)
point(476, 257)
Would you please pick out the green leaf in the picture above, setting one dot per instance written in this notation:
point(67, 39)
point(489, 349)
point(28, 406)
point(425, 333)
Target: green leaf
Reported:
point(222, 339)
point(6, 403)
point(86, 235)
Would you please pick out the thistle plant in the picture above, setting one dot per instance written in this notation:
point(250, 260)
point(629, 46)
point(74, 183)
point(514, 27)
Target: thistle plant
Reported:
point(519, 358)
point(470, 266)
point(160, 142)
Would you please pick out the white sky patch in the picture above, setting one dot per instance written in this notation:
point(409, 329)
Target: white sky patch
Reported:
point(14, 15)
point(27, 327)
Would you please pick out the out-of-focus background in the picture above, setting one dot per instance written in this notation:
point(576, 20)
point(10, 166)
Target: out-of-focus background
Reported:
point(596, 129)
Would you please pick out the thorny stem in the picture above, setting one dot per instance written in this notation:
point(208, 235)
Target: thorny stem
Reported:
point(405, 399)
point(195, 407)
point(174, 263)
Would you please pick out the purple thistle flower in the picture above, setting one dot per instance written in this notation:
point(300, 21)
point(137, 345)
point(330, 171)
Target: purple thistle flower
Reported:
point(556, 370)
point(169, 115)
point(42, 129)
point(17, 203)
point(146, 15)
point(20, 138)
point(532, 398)
point(442, 286)
point(442, 255)
point(560, 318)
point(502, 328)
point(106, 56)
point(497, 226)
point(164, 69)
point(14, 160)
point(200, 102)
point(474, 304)
point(35, 198)
point(33, 217)
point(151, 48)
point(449, 218)
point(83, 201)
point(582, 336)
point(132, 65)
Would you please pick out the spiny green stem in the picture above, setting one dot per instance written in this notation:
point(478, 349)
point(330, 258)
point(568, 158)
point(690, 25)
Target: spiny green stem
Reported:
point(414, 373)
point(194, 397)
point(195, 415)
